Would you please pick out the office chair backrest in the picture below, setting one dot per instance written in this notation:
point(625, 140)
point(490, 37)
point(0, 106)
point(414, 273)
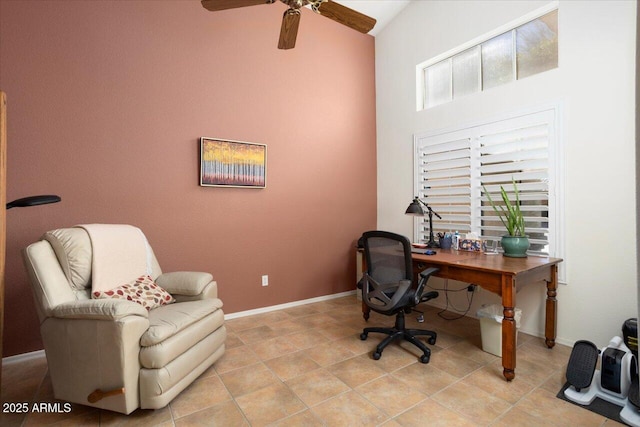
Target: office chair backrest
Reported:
point(386, 285)
point(388, 256)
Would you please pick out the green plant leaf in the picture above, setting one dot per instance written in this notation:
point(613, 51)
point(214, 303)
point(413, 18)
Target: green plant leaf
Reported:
point(510, 214)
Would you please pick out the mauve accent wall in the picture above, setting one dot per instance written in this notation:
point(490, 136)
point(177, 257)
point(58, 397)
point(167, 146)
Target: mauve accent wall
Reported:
point(106, 104)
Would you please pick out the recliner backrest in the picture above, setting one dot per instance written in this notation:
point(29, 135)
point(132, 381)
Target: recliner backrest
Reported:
point(60, 263)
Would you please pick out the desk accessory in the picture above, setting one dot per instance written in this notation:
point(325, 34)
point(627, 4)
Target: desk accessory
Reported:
point(444, 240)
point(490, 247)
point(470, 245)
point(415, 209)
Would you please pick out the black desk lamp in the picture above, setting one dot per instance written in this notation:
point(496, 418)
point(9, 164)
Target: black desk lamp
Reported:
point(415, 209)
point(33, 201)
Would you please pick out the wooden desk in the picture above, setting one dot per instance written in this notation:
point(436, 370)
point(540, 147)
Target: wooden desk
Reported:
point(503, 276)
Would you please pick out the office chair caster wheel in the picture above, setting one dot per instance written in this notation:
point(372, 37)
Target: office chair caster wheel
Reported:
point(424, 358)
point(363, 336)
point(432, 340)
point(376, 355)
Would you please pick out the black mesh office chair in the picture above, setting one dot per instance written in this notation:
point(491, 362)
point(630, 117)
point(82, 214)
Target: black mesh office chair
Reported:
point(388, 288)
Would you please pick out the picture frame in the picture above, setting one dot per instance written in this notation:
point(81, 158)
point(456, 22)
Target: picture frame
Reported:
point(229, 163)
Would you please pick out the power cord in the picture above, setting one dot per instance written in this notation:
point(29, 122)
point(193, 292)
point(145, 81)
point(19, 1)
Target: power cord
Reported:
point(463, 312)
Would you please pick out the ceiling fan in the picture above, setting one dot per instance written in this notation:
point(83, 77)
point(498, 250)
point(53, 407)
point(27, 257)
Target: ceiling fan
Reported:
point(291, 18)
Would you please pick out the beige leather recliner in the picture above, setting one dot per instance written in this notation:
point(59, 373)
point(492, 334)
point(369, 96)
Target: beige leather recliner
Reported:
point(103, 346)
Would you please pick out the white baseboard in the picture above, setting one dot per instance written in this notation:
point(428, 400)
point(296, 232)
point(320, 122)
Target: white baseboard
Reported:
point(286, 305)
point(24, 357)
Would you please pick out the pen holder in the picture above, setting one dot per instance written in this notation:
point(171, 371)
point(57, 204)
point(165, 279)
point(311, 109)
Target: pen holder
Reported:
point(445, 242)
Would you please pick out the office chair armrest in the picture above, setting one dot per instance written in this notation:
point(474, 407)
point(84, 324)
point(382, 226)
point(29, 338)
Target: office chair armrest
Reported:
point(425, 274)
point(378, 298)
point(422, 281)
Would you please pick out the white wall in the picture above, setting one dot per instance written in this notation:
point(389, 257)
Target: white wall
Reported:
point(595, 86)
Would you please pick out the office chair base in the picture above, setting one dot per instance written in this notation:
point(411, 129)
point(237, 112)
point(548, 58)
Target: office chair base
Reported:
point(400, 332)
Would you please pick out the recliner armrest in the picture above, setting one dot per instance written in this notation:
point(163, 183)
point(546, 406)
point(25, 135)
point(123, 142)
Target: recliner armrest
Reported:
point(99, 309)
point(188, 283)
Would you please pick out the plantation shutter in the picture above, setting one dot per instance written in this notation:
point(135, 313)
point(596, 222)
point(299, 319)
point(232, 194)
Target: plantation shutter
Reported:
point(516, 150)
point(452, 167)
point(444, 181)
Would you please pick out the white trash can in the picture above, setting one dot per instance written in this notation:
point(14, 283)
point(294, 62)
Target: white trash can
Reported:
point(491, 327)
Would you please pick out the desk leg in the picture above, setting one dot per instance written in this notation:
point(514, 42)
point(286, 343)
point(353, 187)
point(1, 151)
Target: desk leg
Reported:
point(365, 311)
point(551, 308)
point(508, 328)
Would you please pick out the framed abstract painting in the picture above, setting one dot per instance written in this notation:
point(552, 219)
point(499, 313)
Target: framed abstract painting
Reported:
point(227, 163)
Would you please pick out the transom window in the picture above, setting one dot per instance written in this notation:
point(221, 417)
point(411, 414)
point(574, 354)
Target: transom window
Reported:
point(525, 47)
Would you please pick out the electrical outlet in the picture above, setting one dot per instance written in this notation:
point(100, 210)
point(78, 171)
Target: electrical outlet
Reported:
point(265, 280)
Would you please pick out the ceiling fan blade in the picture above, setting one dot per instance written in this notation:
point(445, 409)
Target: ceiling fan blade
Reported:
point(349, 17)
point(289, 29)
point(214, 5)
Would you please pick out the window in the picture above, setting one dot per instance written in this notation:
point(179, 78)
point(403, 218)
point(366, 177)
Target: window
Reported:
point(466, 72)
point(497, 61)
point(524, 48)
point(451, 168)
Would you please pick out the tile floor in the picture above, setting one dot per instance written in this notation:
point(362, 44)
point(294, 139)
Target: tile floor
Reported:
point(306, 366)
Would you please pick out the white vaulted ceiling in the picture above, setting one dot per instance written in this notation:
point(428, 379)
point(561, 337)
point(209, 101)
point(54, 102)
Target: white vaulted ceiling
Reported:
point(381, 10)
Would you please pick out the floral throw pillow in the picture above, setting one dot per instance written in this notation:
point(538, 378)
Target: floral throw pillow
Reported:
point(143, 291)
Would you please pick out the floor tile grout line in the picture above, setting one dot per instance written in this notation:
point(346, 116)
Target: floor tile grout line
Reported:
point(380, 409)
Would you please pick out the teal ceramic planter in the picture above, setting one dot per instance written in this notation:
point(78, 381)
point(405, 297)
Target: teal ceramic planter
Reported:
point(515, 246)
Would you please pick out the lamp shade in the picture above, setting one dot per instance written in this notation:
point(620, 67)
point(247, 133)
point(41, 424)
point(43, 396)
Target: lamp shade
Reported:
point(414, 208)
point(33, 201)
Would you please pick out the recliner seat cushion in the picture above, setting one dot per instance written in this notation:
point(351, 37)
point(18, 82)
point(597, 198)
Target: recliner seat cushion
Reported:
point(175, 328)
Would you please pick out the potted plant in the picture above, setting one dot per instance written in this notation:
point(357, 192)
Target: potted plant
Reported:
point(516, 242)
